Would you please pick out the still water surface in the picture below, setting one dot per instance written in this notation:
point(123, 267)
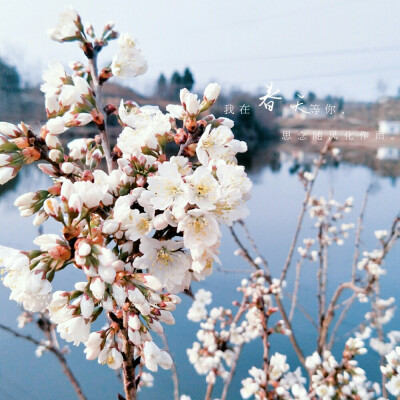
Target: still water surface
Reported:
point(275, 203)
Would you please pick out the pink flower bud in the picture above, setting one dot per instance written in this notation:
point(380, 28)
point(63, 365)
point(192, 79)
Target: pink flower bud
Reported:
point(48, 169)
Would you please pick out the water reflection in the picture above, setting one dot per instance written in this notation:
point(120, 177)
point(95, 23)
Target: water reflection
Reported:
point(272, 154)
point(274, 206)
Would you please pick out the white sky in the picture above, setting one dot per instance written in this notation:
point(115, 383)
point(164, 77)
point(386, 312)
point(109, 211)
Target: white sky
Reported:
point(238, 43)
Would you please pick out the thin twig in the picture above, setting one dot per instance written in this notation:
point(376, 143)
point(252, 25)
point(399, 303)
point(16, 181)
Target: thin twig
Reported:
point(245, 254)
point(254, 245)
point(295, 290)
point(232, 271)
point(318, 165)
point(210, 388)
point(232, 371)
point(349, 303)
point(264, 337)
point(351, 300)
point(174, 372)
point(379, 330)
point(358, 235)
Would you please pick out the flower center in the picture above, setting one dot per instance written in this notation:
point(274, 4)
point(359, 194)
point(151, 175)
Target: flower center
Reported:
point(198, 224)
point(164, 256)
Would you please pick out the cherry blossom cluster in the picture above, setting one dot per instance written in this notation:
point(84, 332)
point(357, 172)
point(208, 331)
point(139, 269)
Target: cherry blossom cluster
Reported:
point(140, 233)
point(372, 262)
point(391, 370)
point(328, 214)
point(330, 379)
point(282, 383)
point(222, 332)
point(343, 380)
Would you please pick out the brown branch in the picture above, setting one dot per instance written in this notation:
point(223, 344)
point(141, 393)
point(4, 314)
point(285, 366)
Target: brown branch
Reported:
point(245, 254)
point(60, 356)
point(183, 146)
point(242, 308)
point(324, 328)
point(128, 366)
point(264, 337)
point(322, 279)
point(98, 97)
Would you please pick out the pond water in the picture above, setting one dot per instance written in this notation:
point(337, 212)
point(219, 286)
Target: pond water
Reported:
point(275, 204)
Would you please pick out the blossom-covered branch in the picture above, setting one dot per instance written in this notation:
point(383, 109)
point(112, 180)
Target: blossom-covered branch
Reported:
point(138, 234)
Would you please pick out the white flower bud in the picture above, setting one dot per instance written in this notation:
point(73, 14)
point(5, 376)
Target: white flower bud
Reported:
point(51, 207)
point(84, 249)
point(75, 154)
point(152, 282)
point(25, 200)
point(6, 174)
point(98, 287)
point(87, 306)
point(75, 203)
point(55, 155)
point(134, 322)
point(167, 317)
point(156, 326)
point(68, 96)
point(192, 104)
point(134, 337)
point(52, 141)
point(93, 345)
point(9, 130)
point(40, 217)
point(110, 226)
point(212, 92)
point(67, 168)
point(81, 85)
point(182, 94)
point(160, 222)
point(27, 212)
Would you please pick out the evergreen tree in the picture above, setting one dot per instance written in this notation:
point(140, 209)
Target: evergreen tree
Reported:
point(9, 77)
point(176, 84)
point(162, 88)
point(187, 79)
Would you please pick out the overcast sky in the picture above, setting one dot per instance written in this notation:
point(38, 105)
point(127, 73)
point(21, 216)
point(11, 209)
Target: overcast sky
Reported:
point(341, 47)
